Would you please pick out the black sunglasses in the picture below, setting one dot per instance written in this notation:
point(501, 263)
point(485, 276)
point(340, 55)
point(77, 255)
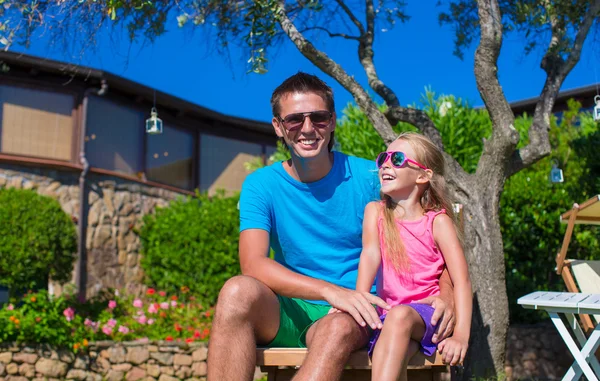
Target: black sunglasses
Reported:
point(319, 119)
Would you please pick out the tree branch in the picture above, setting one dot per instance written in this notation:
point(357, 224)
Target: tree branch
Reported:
point(354, 19)
point(343, 35)
point(331, 68)
point(504, 136)
point(557, 70)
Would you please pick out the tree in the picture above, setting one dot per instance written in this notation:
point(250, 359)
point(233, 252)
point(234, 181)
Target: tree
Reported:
point(261, 24)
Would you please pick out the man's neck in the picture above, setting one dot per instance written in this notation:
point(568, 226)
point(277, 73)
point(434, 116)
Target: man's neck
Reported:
point(309, 171)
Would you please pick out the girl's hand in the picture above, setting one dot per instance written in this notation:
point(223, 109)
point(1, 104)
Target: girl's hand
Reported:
point(333, 310)
point(453, 350)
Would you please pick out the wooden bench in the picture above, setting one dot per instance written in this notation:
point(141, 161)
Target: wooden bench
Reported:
point(281, 364)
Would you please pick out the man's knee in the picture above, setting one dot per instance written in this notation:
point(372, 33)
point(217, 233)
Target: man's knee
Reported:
point(238, 297)
point(340, 328)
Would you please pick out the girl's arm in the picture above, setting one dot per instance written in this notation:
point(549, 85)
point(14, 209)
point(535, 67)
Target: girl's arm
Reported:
point(370, 258)
point(447, 241)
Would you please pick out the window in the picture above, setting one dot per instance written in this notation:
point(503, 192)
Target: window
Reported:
point(222, 162)
point(114, 137)
point(170, 156)
point(36, 123)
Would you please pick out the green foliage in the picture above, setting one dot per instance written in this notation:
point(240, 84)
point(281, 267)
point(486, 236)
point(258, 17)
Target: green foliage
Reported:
point(531, 205)
point(194, 243)
point(64, 322)
point(531, 19)
point(37, 240)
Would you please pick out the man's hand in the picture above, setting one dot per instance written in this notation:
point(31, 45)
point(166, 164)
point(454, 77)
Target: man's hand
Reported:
point(444, 309)
point(358, 304)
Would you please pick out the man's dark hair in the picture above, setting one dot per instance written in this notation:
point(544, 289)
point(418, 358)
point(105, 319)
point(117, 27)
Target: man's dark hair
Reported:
point(303, 83)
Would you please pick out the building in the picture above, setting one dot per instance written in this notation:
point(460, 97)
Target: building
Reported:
point(585, 95)
point(77, 134)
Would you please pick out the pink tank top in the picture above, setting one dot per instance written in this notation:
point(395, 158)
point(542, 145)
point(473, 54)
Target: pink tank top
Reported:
point(426, 263)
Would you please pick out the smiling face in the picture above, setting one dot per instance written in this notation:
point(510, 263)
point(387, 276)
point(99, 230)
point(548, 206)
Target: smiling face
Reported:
point(308, 141)
point(399, 183)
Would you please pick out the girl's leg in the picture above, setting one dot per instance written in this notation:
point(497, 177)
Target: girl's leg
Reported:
point(402, 329)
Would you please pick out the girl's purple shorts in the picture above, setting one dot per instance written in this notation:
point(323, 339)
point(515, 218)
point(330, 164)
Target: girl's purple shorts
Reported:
point(426, 311)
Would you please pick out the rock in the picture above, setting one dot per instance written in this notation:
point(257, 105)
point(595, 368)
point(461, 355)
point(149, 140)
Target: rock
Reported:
point(200, 354)
point(529, 355)
point(122, 367)
point(81, 362)
point(199, 369)
point(114, 375)
point(180, 359)
point(151, 370)
point(29, 358)
point(116, 355)
point(16, 378)
point(167, 370)
point(162, 357)
point(5, 357)
point(184, 372)
point(27, 370)
point(12, 368)
point(101, 365)
point(135, 374)
point(77, 374)
point(2, 369)
point(137, 355)
point(153, 348)
point(51, 368)
point(165, 377)
point(66, 356)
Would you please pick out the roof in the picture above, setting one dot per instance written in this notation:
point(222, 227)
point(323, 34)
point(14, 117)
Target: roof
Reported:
point(136, 90)
point(584, 94)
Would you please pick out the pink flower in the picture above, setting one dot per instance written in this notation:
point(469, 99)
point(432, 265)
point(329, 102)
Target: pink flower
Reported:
point(112, 304)
point(142, 319)
point(88, 323)
point(111, 323)
point(164, 305)
point(153, 308)
point(140, 312)
point(124, 330)
point(162, 293)
point(69, 313)
point(10, 307)
point(107, 329)
point(150, 321)
point(138, 303)
point(173, 303)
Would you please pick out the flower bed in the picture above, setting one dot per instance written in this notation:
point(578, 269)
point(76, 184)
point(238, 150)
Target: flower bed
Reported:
point(64, 322)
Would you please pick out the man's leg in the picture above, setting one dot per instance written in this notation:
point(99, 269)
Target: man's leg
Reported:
point(330, 342)
point(247, 312)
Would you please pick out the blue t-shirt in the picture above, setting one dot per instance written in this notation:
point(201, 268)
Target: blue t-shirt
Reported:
point(315, 229)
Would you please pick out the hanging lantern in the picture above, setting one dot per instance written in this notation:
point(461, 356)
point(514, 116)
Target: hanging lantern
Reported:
point(556, 174)
point(597, 108)
point(154, 125)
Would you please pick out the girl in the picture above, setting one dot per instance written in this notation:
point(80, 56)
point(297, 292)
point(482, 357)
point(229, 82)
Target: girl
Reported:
point(408, 237)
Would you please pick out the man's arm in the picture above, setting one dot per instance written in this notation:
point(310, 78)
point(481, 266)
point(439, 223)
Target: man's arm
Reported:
point(254, 261)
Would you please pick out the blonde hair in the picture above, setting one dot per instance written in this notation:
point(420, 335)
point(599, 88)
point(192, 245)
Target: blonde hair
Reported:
point(434, 198)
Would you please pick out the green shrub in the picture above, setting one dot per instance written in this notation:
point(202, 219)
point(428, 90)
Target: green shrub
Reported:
point(193, 243)
point(37, 241)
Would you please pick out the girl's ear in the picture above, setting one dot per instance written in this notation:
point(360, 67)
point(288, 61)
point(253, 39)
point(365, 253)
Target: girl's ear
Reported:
point(425, 176)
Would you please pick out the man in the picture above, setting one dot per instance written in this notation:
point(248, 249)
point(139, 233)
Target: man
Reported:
point(309, 210)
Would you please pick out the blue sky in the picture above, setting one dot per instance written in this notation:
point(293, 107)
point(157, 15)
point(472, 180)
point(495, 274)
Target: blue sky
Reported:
point(408, 58)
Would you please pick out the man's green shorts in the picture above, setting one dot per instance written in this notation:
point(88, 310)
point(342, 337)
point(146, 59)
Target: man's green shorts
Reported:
point(296, 317)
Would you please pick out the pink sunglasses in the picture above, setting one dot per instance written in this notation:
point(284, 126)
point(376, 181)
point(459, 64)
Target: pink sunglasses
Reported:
point(398, 159)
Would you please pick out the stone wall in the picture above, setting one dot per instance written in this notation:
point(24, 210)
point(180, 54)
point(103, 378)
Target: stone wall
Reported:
point(116, 209)
point(106, 361)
